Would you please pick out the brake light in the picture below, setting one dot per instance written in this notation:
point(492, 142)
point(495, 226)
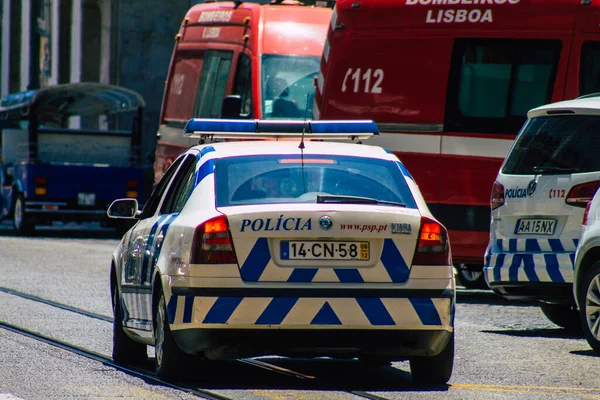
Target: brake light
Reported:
point(585, 213)
point(212, 243)
point(497, 198)
point(432, 245)
point(580, 195)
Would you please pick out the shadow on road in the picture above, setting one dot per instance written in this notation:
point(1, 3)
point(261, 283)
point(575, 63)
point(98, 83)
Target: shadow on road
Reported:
point(557, 333)
point(316, 375)
point(589, 353)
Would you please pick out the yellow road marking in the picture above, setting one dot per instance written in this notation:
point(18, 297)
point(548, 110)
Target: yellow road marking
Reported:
point(593, 393)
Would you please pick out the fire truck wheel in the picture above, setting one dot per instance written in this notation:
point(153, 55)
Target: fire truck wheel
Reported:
point(21, 221)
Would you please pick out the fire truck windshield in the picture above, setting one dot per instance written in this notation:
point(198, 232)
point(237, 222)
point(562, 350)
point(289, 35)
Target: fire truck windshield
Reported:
point(288, 86)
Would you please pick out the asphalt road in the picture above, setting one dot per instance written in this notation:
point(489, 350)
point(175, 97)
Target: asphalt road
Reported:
point(56, 285)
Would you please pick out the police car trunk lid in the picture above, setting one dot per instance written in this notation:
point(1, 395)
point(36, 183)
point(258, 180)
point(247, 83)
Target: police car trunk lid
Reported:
point(316, 243)
point(538, 213)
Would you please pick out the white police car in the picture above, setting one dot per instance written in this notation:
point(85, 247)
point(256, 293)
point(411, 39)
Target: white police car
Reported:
point(289, 247)
point(586, 282)
point(538, 200)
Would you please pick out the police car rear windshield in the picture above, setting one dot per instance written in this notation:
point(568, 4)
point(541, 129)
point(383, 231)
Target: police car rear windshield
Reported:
point(272, 179)
point(558, 144)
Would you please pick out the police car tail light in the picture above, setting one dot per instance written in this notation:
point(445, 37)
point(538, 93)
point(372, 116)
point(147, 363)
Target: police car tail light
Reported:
point(580, 195)
point(212, 243)
point(497, 198)
point(432, 246)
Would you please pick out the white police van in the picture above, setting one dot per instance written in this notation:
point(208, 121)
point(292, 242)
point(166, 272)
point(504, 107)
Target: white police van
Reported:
point(290, 247)
point(538, 200)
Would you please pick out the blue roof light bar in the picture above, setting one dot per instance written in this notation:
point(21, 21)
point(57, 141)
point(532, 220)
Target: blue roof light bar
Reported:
point(279, 129)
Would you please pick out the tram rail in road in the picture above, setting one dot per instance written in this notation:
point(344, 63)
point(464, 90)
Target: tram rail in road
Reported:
point(319, 384)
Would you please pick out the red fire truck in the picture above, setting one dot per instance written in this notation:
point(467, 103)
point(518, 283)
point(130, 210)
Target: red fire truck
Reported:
point(241, 60)
point(449, 83)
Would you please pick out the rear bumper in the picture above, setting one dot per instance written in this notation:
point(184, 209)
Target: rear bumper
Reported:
point(531, 276)
point(316, 322)
point(237, 343)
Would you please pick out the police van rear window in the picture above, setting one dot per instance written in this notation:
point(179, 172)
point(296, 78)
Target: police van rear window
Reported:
point(272, 179)
point(558, 144)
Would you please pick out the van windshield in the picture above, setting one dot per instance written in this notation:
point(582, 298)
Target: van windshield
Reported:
point(556, 144)
point(288, 86)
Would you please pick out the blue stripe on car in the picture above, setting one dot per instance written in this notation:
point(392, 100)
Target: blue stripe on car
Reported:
point(375, 311)
point(257, 261)
point(393, 262)
point(222, 309)
point(426, 311)
point(276, 311)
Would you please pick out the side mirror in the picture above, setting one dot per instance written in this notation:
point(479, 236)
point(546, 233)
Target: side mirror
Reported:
point(123, 208)
point(231, 107)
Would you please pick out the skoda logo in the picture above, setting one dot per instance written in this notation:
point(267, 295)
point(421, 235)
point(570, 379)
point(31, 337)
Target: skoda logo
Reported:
point(531, 188)
point(325, 222)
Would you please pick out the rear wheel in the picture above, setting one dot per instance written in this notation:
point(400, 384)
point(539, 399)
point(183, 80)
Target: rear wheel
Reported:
point(435, 370)
point(21, 220)
point(126, 351)
point(171, 361)
point(564, 315)
point(470, 277)
point(589, 300)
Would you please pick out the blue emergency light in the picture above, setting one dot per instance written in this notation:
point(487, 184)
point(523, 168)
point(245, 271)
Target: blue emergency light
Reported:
point(279, 129)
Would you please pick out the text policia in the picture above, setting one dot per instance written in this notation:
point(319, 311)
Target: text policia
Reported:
point(461, 15)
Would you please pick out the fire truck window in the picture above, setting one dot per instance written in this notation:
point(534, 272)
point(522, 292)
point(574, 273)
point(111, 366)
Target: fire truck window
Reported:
point(589, 80)
point(494, 82)
point(288, 86)
point(213, 81)
point(243, 84)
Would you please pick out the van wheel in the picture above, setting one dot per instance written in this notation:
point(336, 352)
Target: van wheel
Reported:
point(564, 315)
point(125, 351)
point(470, 278)
point(21, 221)
point(435, 370)
point(589, 300)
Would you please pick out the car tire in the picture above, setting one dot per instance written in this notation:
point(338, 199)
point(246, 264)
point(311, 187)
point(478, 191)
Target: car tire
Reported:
point(471, 279)
point(21, 221)
point(434, 370)
point(564, 315)
point(125, 350)
point(589, 301)
point(170, 361)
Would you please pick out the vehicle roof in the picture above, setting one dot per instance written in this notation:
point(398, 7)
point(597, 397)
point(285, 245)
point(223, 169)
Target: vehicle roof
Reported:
point(248, 148)
point(82, 98)
point(582, 105)
point(283, 28)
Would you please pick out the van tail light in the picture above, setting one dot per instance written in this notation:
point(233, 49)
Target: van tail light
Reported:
point(497, 198)
point(580, 195)
point(585, 213)
point(212, 243)
point(432, 246)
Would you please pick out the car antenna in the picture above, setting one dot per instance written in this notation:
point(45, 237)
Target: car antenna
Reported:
point(301, 146)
